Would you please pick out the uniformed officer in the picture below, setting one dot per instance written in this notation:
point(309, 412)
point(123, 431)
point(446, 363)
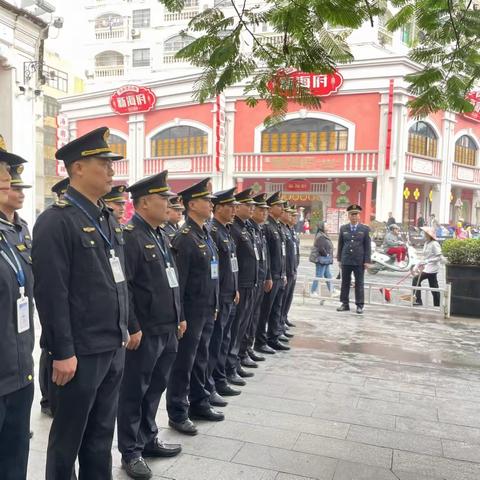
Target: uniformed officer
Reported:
point(60, 188)
point(154, 323)
point(197, 263)
point(17, 338)
point(353, 255)
point(175, 213)
point(224, 212)
point(271, 311)
point(82, 300)
point(248, 357)
point(115, 199)
point(248, 259)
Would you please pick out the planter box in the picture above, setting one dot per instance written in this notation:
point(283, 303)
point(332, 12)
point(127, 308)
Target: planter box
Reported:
point(465, 280)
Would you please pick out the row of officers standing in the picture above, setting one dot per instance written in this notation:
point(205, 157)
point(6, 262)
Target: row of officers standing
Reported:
point(131, 311)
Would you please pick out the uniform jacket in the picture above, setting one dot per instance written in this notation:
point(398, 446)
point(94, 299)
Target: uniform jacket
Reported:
point(154, 307)
point(226, 249)
point(82, 309)
point(16, 362)
point(170, 229)
point(262, 248)
point(296, 239)
point(276, 248)
point(194, 251)
point(247, 258)
point(354, 247)
point(290, 250)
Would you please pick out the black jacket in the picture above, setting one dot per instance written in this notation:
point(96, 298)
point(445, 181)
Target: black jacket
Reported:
point(82, 309)
point(354, 247)
point(323, 244)
point(154, 306)
point(247, 258)
point(226, 250)
point(261, 243)
point(16, 362)
point(291, 251)
point(276, 248)
point(170, 229)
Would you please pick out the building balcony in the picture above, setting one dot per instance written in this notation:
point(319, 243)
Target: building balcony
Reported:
point(112, 33)
point(275, 39)
point(420, 166)
point(170, 58)
point(185, 15)
point(466, 174)
point(121, 168)
point(354, 164)
point(195, 164)
point(112, 71)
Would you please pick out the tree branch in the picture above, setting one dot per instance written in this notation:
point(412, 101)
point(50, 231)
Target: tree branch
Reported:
point(369, 11)
point(455, 31)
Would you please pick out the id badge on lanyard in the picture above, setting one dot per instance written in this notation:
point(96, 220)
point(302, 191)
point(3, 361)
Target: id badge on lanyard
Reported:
point(116, 266)
point(257, 255)
point(234, 262)
point(23, 312)
point(284, 249)
point(214, 269)
point(171, 276)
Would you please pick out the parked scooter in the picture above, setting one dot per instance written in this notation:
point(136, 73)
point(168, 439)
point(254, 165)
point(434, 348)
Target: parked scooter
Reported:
point(382, 261)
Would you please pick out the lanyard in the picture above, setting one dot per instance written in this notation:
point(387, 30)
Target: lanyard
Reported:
point(108, 241)
point(210, 246)
point(164, 251)
point(20, 274)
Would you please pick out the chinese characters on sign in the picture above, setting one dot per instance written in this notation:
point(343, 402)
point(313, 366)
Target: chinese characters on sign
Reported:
point(220, 132)
point(132, 99)
point(63, 138)
point(474, 99)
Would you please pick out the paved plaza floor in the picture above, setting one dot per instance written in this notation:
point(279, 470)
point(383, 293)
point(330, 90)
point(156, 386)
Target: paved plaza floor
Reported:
point(386, 396)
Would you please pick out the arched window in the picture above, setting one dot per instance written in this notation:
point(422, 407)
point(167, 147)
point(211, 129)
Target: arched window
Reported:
point(117, 145)
point(109, 59)
point(179, 141)
point(109, 20)
point(305, 135)
point(175, 44)
point(466, 151)
point(422, 140)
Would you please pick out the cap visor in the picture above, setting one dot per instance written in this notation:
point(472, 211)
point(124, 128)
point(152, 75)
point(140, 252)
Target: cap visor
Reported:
point(168, 193)
point(11, 158)
point(109, 155)
point(19, 185)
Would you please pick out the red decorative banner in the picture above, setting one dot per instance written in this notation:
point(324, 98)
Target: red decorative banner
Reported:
point(296, 186)
point(132, 99)
point(63, 136)
point(319, 84)
point(220, 132)
point(474, 99)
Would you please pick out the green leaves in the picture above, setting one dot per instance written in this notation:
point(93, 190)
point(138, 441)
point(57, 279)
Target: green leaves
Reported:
point(462, 252)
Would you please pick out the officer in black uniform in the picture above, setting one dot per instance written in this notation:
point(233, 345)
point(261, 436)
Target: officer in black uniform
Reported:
point(175, 212)
point(60, 188)
point(115, 199)
point(353, 254)
point(248, 259)
point(271, 311)
point(248, 357)
point(224, 212)
point(154, 323)
point(82, 300)
point(197, 263)
point(17, 339)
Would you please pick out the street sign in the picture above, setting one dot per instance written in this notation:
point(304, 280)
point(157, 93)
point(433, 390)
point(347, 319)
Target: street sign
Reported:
point(474, 99)
point(132, 99)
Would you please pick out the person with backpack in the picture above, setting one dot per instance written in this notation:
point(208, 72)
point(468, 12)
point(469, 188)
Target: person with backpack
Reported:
point(322, 256)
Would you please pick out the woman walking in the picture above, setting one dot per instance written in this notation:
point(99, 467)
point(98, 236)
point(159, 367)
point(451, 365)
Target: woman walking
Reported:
point(322, 256)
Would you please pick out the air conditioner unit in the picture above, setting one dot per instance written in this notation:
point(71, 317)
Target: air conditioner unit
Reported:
point(135, 33)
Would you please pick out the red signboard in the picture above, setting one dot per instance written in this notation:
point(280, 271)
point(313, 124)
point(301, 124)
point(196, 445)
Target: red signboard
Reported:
point(132, 99)
point(474, 99)
point(296, 186)
point(220, 132)
point(319, 84)
point(63, 136)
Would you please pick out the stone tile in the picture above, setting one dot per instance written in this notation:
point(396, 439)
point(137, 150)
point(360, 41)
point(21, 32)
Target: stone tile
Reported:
point(460, 415)
point(354, 416)
point(398, 409)
point(414, 476)
point(377, 393)
point(297, 463)
point(461, 450)
point(435, 466)
point(400, 386)
point(397, 440)
point(271, 437)
point(359, 471)
point(344, 450)
point(287, 476)
point(275, 404)
point(198, 468)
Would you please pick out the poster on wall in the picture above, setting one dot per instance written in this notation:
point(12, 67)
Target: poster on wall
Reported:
point(336, 217)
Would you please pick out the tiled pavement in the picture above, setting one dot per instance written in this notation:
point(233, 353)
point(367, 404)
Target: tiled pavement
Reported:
point(385, 397)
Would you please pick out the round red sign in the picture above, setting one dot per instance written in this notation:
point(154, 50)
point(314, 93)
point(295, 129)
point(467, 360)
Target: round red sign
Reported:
point(132, 99)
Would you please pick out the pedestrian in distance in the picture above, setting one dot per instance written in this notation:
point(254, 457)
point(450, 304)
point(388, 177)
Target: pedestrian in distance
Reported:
point(322, 256)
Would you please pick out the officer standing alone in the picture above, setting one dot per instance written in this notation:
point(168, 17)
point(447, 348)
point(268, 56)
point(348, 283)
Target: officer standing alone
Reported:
point(353, 254)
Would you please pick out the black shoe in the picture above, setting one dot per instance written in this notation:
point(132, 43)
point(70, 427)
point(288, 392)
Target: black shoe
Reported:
point(137, 468)
point(228, 391)
point(254, 356)
point(290, 324)
point(283, 338)
point(278, 346)
point(360, 310)
point(217, 401)
point(160, 449)
point(417, 303)
point(236, 379)
point(243, 373)
point(206, 414)
point(248, 362)
point(47, 411)
point(343, 308)
point(265, 349)
point(289, 335)
point(187, 427)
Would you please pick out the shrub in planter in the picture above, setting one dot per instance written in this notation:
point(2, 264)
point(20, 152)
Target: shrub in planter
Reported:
point(463, 272)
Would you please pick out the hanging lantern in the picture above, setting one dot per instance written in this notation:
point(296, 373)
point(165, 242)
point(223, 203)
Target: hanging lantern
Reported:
point(406, 193)
point(416, 194)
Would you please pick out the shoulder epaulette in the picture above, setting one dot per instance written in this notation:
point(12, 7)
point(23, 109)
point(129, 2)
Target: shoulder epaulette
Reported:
point(185, 229)
point(62, 204)
point(214, 228)
point(129, 227)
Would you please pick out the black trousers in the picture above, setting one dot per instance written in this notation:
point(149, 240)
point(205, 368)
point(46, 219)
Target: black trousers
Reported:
point(249, 337)
point(288, 299)
point(219, 344)
point(189, 371)
point(45, 381)
point(15, 433)
point(432, 282)
point(145, 378)
point(84, 420)
point(270, 323)
point(243, 315)
point(358, 273)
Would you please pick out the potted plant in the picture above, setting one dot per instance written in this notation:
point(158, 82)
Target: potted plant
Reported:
point(463, 272)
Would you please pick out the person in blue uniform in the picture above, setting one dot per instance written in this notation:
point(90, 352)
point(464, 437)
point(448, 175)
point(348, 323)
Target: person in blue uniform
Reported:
point(223, 214)
point(353, 254)
point(271, 311)
point(17, 339)
point(175, 213)
point(198, 272)
point(60, 188)
point(82, 301)
point(115, 199)
point(248, 258)
point(154, 325)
